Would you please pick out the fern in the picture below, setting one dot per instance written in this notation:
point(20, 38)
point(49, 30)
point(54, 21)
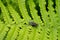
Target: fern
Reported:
point(15, 16)
point(5, 13)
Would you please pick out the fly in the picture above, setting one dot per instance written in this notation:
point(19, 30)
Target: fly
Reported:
point(33, 24)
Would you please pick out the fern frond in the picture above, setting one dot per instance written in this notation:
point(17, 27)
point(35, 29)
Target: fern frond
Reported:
point(16, 16)
point(5, 13)
point(23, 9)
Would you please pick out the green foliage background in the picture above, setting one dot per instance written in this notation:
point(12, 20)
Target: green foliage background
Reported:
point(16, 14)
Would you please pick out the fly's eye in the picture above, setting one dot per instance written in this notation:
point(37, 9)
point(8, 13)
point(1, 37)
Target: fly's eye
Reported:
point(33, 24)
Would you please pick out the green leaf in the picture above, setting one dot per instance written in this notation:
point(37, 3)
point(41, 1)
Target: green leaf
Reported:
point(15, 16)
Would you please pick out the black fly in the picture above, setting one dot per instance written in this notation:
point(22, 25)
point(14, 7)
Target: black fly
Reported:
point(33, 24)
